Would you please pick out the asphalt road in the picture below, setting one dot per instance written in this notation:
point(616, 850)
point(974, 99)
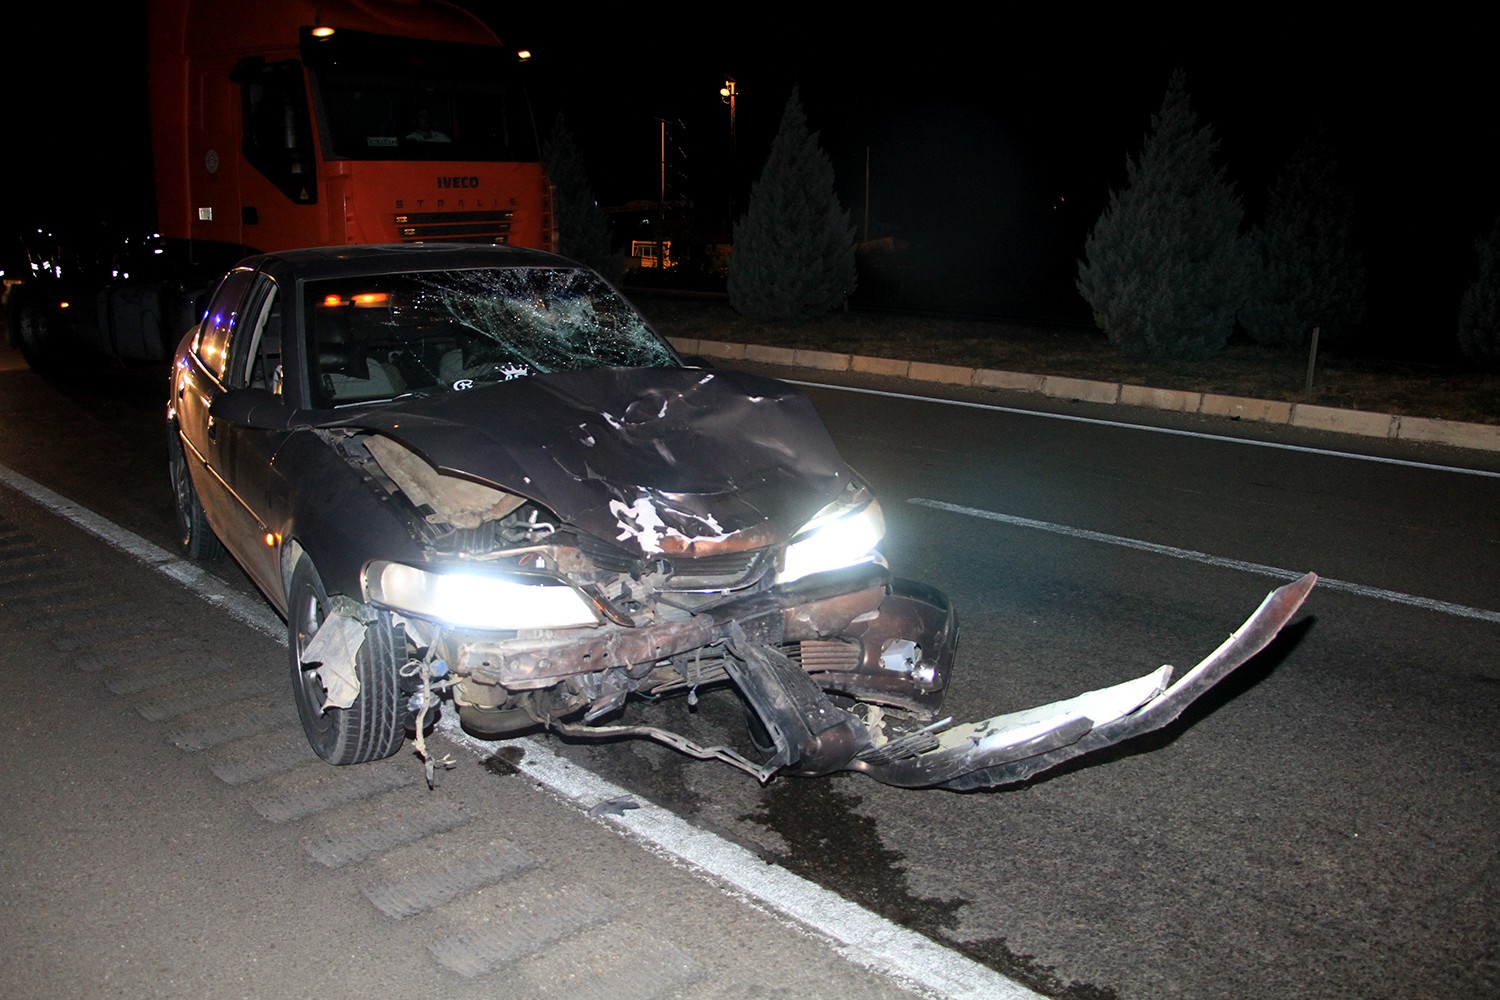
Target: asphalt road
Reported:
point(1321, 826)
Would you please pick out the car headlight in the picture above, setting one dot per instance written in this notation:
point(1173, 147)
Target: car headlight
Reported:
point(477, 598)
point(844, 533)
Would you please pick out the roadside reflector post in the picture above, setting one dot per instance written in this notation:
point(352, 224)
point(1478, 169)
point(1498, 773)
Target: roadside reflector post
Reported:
point(1312, 365)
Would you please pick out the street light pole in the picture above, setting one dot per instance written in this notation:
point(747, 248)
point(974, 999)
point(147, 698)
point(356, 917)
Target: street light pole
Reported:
point(728, 93)
point(661, 200)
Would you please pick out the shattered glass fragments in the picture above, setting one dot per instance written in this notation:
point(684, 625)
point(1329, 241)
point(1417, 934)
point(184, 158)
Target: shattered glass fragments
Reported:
point(380, 336)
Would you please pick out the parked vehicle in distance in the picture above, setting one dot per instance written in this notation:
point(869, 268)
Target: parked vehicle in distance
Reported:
point(476, 476)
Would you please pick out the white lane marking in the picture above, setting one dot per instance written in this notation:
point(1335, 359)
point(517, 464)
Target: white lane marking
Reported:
point(203, 584)
point(1260, 569)
point(861, 936)
point(1126, 425)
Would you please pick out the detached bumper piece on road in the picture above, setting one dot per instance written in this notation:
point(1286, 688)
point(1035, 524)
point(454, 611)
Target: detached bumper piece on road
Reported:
point(1012, 748)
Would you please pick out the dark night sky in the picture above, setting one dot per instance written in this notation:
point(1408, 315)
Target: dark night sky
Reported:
point(992, 150)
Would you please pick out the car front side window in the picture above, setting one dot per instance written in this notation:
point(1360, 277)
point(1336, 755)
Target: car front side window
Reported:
point(225, 311)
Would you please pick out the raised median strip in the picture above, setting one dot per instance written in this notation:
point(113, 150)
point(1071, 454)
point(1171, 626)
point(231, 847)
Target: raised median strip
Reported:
point(1177, 400)
point(1267, 411)
point(1331, 418)
point(1452, 432)
point(990, 378)
point(1084, 390)
point(879, 366)
point(927, 371)
point(1426, 430)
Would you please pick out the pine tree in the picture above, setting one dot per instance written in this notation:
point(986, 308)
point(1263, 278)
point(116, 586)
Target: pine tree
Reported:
point(1309, 272)
point(582, 229)
point(1479, 312)
point(793, 252)
point(1165, 269)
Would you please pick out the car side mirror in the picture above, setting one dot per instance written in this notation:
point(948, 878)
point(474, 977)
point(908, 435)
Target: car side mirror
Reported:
point(257, 408)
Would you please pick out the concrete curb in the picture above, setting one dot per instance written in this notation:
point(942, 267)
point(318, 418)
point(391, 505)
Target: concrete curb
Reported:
point(1424, 430)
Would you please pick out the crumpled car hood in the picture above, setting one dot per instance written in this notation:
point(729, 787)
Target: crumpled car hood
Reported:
point(673, 458)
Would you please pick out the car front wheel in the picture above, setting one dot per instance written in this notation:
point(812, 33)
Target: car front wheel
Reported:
point(373, 726)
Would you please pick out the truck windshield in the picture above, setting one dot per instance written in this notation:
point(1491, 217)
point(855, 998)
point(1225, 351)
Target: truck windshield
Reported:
point(383, 336)
point(385, 98)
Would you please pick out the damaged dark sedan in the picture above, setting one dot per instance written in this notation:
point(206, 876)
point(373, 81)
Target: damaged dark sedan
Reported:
point(475, 478)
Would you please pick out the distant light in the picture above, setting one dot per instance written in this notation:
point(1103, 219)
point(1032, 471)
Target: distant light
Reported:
point(523, 55)
point(322, 32)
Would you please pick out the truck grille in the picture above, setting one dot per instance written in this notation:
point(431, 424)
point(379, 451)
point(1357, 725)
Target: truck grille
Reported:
point(467, 227)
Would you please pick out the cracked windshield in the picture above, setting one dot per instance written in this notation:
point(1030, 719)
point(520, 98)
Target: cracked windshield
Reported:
point(390, 335)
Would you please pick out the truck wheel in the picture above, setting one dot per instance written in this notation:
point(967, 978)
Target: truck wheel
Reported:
point(30, 329)
point(373, 726)
point(193, 533)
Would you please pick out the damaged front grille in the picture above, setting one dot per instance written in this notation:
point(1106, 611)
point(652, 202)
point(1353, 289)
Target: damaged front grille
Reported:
point(707, 574)
point(716, 573)
point(609, 558)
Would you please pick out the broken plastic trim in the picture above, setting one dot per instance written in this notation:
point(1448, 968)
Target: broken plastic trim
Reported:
point(332, 650)
point(1008, 749)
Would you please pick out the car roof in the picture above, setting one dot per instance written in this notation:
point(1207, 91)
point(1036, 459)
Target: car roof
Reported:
point(329, 262)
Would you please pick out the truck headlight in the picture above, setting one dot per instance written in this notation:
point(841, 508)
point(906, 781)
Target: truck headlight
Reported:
point(477, 598)
point(843, 533)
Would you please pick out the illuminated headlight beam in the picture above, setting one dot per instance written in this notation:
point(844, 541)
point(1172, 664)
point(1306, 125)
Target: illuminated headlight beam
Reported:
point(471, 598)
point(829, 544)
